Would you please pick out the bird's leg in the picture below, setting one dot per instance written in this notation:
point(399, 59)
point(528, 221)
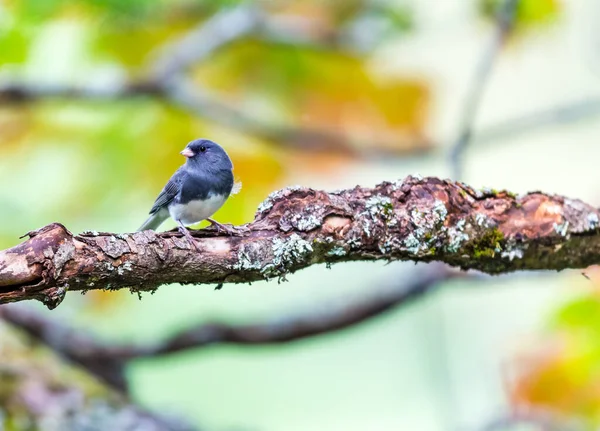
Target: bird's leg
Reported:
point(221, 228)
point(186, 233)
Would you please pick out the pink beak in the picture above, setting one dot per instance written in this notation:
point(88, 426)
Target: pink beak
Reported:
point(187, 153)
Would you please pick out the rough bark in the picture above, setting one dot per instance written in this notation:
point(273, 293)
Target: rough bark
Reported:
point(414, 219)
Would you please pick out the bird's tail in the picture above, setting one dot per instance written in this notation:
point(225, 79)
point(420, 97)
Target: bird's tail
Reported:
point(154, 221)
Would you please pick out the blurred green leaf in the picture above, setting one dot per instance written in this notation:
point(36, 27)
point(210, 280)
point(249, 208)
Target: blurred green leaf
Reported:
point(14, 41)
point(529, 13)
point(582, 313)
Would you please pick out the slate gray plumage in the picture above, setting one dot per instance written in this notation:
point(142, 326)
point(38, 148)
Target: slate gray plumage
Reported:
point(197, 189)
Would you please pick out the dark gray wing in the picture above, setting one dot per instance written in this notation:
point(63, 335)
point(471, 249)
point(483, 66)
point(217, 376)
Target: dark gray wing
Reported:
point(169, 191)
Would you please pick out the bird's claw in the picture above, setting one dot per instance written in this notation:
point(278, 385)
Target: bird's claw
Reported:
point(186, 233)
point(221, 228)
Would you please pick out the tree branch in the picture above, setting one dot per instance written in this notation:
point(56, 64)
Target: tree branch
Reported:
point(415, 219)
point(107, 361)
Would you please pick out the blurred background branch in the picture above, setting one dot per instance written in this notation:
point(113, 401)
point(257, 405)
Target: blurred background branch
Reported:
point(505, 21)
point(563, 114)
point(183, 93)
point(38, 390)
point(201, 42)
point(535, 420)
point(107, 361)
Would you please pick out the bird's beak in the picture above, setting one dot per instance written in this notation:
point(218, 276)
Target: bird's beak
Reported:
point(187, 153)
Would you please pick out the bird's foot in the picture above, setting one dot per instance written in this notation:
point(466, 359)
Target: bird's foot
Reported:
point(186, 233)
point(221, 228)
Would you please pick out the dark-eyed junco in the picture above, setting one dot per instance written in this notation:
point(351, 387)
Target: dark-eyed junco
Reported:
point(196, 190)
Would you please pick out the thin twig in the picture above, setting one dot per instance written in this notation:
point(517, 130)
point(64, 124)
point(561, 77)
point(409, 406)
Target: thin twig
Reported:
point(541, 420)
point(233, 24)
point(505, 21)
point(200, 43)
point(563, 114)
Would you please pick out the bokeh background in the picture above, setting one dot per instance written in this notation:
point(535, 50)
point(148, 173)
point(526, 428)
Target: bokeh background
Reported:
point(97, 98)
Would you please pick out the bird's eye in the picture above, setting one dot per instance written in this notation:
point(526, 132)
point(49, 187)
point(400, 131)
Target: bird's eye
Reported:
point(202, 149)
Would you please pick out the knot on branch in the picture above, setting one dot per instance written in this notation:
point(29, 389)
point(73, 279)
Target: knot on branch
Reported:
point(35, 265)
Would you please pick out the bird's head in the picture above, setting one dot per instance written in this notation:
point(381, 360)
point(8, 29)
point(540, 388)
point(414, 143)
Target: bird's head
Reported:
point(207, 154)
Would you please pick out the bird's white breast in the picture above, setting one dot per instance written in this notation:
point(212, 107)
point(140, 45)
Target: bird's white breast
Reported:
point(196, 211)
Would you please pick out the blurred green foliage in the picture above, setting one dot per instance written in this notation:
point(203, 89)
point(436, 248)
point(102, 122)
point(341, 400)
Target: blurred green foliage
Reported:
point(529, 13)
point(98, 164)
point(561, 372)
point(39, 391)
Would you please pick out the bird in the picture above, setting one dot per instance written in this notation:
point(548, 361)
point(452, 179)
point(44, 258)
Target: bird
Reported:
point(196, 190)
